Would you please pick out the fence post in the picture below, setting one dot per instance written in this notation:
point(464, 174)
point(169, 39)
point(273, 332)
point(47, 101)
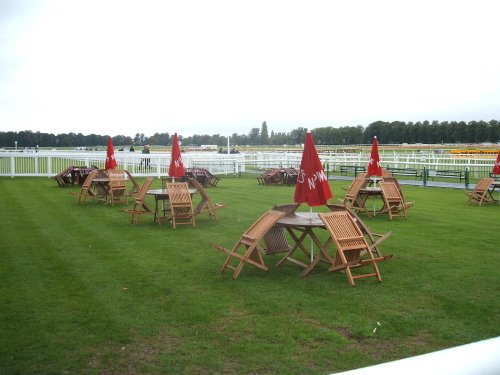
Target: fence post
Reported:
point(36, 163)
point(466, 179)
point(424, 177)
point(12, 165)
point(125, 160)
point(49, 165)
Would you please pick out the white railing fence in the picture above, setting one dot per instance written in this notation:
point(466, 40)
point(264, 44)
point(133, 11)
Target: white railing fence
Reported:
point(49, 163)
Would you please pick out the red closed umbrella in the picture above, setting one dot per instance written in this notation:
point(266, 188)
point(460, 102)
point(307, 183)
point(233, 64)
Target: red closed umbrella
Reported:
point(496, 167)
point(312, 184)
point(176, 169)
point(374, 168)
point(110, 156)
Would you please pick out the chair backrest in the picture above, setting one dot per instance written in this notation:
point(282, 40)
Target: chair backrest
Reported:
point(178, 193)
point(483, 185)
point(344, 230)
point(88, 181)
point(386, 173)
point(116, 179)
point(275, 238)
point(262, 225)
point(197, 185)
point(393, 179)
point(361, 224)
point(288, 209)
point(135, 186)
point(390, 192)
point(343, 208)
point(141, 194)
point(351, 245)
point(356, 185)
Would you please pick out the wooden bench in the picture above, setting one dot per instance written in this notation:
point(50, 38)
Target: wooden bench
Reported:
point(447, 173)
point(405, 172)
point(345, 169)
point(495, 176)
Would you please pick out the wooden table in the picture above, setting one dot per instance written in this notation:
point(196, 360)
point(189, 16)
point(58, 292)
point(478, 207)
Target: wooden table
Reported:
point(300, 226)
point(101, 188)
point(162, 195)
point(370, 192)
point(494, 186)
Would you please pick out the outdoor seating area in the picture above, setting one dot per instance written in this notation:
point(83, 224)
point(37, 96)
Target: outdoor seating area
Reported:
point(173, 276)
point(173, 202)
point(72, 175)
point(307, 253)
point(283, 230)
point(202, 175)
point(363, 190)
point(281, 176)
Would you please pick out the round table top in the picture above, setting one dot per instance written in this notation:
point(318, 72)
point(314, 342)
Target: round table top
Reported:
point(165, 191)
point(302, 219)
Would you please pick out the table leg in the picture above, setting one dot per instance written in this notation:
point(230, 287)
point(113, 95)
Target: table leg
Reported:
point(319, 256)
point(156, 209)
point(298, 244)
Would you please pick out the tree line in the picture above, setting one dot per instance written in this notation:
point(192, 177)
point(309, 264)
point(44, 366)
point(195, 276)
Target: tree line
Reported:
point(395, 132)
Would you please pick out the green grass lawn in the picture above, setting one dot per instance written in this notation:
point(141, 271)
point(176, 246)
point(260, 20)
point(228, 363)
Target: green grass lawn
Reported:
point(83, 291)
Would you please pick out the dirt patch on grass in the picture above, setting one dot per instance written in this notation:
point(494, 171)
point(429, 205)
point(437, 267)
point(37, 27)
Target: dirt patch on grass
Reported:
point(133, 358)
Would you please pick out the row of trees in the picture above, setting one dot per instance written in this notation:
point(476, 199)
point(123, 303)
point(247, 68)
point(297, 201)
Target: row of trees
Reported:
point(387, 132)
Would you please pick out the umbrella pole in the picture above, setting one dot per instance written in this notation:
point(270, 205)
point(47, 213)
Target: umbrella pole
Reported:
point(312, 245)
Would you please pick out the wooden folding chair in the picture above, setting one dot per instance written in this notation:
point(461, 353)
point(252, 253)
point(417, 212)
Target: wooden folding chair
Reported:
point(64, 178)
point(206, 203)
point(181, 206)
point(140, 207)
point(391, 178)
point(374, 239)
point(481, 193)
point(351, 246)
point(247, 249)
point(275, 239)
point(117, 187)
point(394, 203)
point(86, 190)
point(386, 173)
point(353, 198)
point(134, 189)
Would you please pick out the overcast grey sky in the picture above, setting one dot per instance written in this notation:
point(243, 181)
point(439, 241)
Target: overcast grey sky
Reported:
point(223, 67)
